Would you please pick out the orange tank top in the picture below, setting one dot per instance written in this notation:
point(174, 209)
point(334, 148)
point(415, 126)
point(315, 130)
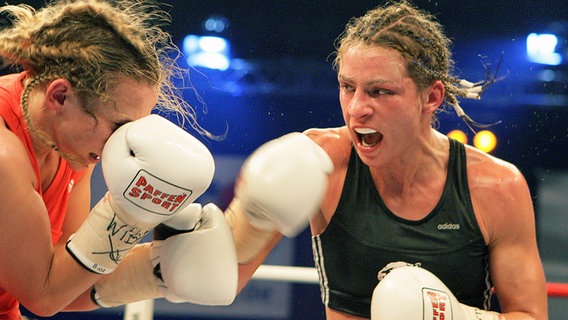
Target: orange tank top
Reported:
point(55, 197)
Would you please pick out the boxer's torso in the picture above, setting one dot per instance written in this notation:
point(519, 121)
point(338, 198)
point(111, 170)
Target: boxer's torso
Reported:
point(363, 236)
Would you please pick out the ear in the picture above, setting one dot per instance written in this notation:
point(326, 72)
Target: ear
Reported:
point(58, 91)
point(434, 96)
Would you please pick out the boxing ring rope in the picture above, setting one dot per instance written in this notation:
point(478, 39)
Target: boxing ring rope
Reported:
point(557, 289)
point(286, 274)
point(144, 310)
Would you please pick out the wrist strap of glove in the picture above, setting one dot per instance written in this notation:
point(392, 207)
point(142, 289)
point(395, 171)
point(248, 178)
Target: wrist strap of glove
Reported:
point(249, 240)
point(472, 313)
point(105, 237)
point(163, 231)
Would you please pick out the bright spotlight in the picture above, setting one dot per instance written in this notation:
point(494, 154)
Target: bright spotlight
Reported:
point(207, 51)
point(458, 135)
point(485, 141)
point(541, 49)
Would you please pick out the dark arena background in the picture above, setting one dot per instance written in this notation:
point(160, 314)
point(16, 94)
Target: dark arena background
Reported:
point(269, 72)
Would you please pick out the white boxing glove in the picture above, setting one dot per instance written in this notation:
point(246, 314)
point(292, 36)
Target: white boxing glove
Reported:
point(198, 266)
point(152, 169)
point(413, 293)
point(196, 263)
point(279, 188)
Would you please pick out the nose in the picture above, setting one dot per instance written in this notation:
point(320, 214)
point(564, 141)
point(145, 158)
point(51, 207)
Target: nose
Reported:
point(359, 105)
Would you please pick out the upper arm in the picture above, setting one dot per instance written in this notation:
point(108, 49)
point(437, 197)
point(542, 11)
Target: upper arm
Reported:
point(336, 143)
point(503, 205)
point(78, 207)
point(515, 264)
point(25, 246)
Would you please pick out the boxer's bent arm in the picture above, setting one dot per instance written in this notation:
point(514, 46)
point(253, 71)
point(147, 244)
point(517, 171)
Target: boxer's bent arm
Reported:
point(269, 199)
point(132, 278)
point(523, 295)
point(43, 278)
point(78, 207)
point(280, 186)
point(191, 259)
point(77, 211)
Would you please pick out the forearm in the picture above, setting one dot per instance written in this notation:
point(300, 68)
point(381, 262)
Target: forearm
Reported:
point(65, 280)
point(519, 316)
point(246, 270)
point(483, 315)
point(82, 303)
point(270, 203)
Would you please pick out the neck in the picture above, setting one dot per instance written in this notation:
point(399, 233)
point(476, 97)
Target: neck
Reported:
point(421, 165)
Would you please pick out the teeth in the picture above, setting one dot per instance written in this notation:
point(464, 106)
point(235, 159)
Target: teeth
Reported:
point(365, 130)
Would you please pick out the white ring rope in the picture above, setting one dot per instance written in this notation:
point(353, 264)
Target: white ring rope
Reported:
point(287, 274)
point(144, 310)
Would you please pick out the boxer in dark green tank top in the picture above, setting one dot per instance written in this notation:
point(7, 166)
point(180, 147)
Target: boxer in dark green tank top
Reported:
point(364, 236)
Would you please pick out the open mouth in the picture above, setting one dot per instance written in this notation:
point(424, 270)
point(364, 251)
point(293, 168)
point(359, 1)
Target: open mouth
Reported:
point(369, 137)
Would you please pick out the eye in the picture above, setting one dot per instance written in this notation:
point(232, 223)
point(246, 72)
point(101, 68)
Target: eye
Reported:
point(346, 87)
point(380, 92)
point(119, 124)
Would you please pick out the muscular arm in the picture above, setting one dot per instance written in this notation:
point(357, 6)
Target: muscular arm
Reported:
point(269, 202)
point(79, 206)
point(246, 270)
point(77, 211)
point(503, 205)
point(45, 279)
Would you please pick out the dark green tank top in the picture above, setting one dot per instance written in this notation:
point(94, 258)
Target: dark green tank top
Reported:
point(364, 236)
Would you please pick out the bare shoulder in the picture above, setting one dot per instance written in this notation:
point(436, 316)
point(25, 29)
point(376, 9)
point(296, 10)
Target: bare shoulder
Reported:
point(485, 170)
point(500, 196)
point(335, 141)
point(322, 135)
point(14, 161)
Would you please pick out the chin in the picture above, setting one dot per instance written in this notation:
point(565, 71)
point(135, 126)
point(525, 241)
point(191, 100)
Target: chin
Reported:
point(76, 166)
point(75, 163)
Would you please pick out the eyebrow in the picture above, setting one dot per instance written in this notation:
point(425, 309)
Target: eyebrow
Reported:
point(372, 82)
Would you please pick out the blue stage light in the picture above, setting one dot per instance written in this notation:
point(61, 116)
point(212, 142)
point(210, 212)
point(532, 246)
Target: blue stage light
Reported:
point(541, 49)
point(207, 52)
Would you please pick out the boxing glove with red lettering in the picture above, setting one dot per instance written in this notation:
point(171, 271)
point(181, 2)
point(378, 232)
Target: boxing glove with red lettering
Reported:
point(192, 259)
point(152, 169)
point(413, 293)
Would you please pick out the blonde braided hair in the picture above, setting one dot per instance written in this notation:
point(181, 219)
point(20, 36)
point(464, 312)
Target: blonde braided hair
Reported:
point(94, 44)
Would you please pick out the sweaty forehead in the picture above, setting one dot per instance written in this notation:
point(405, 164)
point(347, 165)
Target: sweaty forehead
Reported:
point(130, 101)
point(134, 99)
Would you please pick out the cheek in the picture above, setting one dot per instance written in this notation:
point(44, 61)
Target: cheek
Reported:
point(344, 104)
point(345, 113)
point(98, 135)
point(104, 132)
